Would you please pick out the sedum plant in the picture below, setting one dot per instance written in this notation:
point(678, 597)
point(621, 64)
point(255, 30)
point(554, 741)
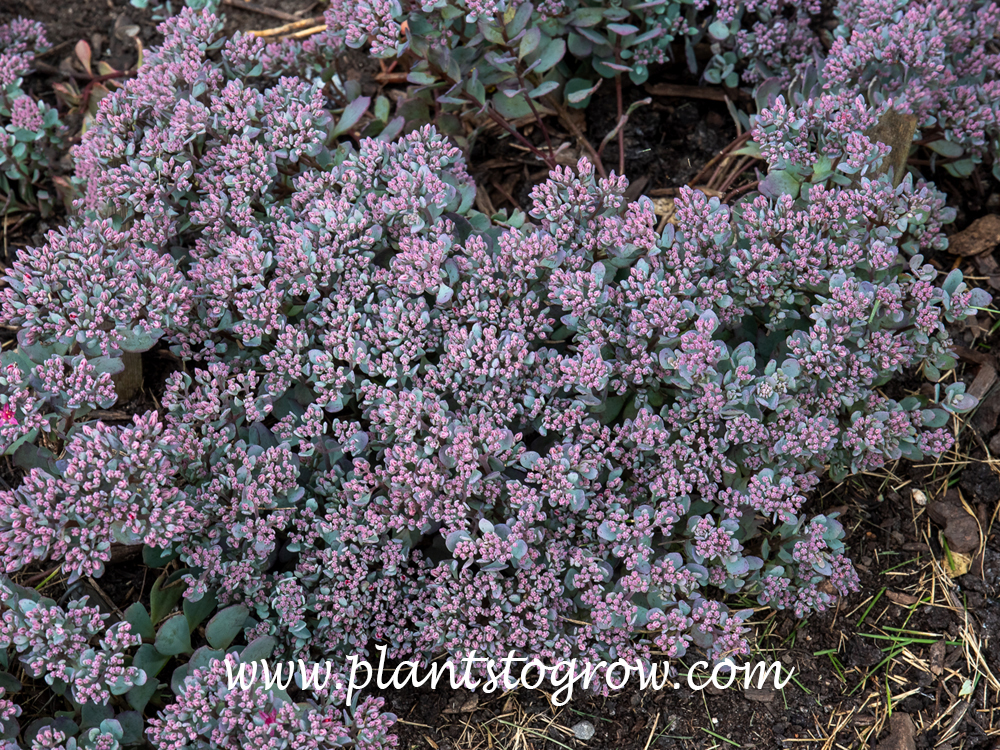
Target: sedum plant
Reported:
point(604, 40)
point(402, 423)
point(935, 60)
point(517, 60)
point(30, 130)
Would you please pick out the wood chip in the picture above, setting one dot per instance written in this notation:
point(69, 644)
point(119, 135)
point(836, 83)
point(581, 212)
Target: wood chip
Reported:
point(261, 9)
point(468, 707)
point(937, 658)
point(985, 379)
point(635, 189)
point(677, 91)
point(979, 237)
point(664, 207)
point(902, 733)
point(971, 355)
point(903, 600)
point(895, 130)
point(986, 265)
point(956, 564)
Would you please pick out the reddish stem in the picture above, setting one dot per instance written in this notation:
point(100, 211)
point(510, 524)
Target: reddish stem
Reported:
point(745, 162)
point(524, 89)
point(502, 122)
point(740, 191)
point(621, 113)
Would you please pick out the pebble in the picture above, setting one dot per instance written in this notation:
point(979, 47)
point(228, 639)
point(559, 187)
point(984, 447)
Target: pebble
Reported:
point(583, 731)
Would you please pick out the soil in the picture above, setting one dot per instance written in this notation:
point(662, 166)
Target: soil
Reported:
point(940, 672)
point(828, 704)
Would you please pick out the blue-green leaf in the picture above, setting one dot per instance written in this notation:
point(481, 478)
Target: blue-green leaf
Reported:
point(719, 30)
point(137, 616)
point(529, 42)
point(554, 52)
point(173, 637)
point(350, 116)
point(948, 149)
point(226, 625)
point(196, 612)
point(511, 108)
point(546, 88)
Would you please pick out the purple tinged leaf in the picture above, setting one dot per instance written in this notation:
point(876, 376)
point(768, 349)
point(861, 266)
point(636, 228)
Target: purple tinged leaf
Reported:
point(352, 113)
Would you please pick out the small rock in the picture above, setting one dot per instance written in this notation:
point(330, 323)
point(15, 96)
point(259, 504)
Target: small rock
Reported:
point(583, 731)
point(903, 600)
point(762, 695)
point(901, 733)
point(937, 658)
point(914, 704)
point(960, 527)
point(995, 444)
point(938, 618)
point(862, 653)
point(987, 414)
point(894, 129)
point(979, 237)
point(979, 481)
point(985, 379)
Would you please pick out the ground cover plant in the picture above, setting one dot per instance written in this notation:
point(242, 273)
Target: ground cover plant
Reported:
point(396, 420)
point(936, 61)
point(30, 129)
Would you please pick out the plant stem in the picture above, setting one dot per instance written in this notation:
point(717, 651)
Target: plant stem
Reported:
point(524, 91)
point(538, 117)
point(578, 134)
point(621, 114)
point(735, 173)
point(502, 122)
point(740, 191)
point(712, 162)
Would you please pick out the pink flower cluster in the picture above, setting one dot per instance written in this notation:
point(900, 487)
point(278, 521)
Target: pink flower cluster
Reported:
point(397, 421)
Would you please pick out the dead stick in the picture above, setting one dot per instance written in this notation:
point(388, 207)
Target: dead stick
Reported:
point(300, 13)
point(740, 167)
point(581, 139)
point(722, 154)
point(740, 191)
point(399, 77)
point(288, 27)
point(254, 8)
point(57, 48)
point(306, 32)
point(686, 92)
